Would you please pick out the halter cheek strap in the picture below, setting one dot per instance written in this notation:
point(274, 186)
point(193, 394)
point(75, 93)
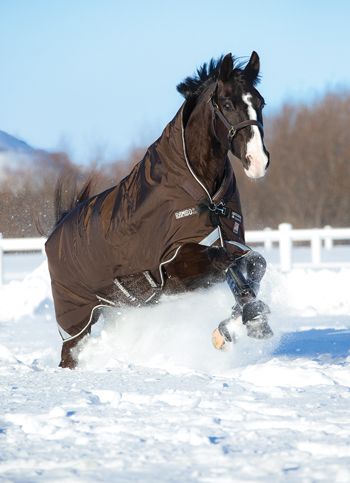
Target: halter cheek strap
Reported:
point(232, 129)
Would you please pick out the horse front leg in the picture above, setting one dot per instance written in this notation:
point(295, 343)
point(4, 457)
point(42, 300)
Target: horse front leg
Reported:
point(70, 351)
point(244, 277)
point(68, 355)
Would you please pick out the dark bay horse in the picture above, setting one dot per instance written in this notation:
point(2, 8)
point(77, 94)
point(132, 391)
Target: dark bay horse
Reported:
point(175, 222)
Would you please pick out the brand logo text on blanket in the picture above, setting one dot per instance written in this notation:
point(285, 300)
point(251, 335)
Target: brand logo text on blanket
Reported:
point(184, 213)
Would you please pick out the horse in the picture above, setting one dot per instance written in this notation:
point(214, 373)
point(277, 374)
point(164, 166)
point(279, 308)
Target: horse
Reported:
point(175, 222)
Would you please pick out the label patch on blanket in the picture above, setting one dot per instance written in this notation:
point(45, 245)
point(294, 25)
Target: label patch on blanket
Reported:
point(236, 216)
point(237, 219)
point(184, 213)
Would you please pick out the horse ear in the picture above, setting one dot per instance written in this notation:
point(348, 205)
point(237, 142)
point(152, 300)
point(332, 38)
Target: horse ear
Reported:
point(226, 67)
point(252, 68)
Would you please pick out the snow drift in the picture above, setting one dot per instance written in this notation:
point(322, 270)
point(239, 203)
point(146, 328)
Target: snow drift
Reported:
point(153, 401)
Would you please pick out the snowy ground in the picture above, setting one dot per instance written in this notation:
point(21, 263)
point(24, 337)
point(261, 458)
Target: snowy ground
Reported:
point(153, 401)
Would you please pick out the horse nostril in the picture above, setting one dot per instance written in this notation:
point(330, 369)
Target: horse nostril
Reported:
point(248, 160)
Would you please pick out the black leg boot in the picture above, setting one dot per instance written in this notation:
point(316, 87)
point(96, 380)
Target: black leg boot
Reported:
point(254, 317)
point(254, 312)
point(243, 278)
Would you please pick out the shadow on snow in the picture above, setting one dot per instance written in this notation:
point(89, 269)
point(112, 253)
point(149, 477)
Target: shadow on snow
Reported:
point(315, 343)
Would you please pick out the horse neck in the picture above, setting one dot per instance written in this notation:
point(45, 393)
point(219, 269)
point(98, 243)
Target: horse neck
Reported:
point(205, 154)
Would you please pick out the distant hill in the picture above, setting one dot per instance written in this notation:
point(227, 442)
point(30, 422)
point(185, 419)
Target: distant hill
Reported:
point(13, 144)
point(28, 178)
point(17, 155)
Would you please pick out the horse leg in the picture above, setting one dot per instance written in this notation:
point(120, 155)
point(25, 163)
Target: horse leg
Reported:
point(68, 360)
point(244, 277)
point(254, 311)
point(254, 265)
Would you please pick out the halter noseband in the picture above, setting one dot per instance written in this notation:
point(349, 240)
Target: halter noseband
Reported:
point(232, 129)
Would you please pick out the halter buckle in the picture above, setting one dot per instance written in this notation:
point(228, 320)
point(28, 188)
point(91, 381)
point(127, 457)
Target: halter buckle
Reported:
point(232, 132)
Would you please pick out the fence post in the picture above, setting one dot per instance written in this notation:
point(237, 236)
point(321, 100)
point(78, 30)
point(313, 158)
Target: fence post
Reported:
point(1, 261)
point(316, 244)
point(328, 240)
point(267, 242)
point(285, 246)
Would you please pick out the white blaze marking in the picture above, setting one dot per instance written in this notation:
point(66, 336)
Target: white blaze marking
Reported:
point(255, 149)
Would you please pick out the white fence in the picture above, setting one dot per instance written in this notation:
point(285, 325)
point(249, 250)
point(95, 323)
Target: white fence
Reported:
point(316, 238)
point(283, 238)
point(19, 245)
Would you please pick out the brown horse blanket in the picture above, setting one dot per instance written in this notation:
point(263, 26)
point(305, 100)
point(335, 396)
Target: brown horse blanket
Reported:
point(137, 226)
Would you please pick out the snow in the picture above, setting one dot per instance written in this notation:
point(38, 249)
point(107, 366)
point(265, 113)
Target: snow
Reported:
point(153, 401)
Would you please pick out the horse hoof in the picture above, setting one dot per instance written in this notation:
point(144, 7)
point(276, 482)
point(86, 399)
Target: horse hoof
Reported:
point(222, 337)
point(68, 364)
point(219, 341)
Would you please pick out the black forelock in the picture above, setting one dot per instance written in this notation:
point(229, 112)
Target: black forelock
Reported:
point(207, 73)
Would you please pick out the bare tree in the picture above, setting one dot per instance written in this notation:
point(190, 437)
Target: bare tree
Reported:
point(309, 179)
point(308, 183)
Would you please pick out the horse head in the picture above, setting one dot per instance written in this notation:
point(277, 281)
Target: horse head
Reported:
point(237, 109)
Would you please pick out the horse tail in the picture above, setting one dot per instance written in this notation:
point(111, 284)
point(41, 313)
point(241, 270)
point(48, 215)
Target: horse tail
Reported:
point(67, 196)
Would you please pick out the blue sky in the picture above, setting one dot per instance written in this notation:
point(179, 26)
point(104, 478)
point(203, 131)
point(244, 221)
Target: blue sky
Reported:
point(100, 76)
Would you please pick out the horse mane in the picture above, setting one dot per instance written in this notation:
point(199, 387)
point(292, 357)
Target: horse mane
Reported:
point(194, 85)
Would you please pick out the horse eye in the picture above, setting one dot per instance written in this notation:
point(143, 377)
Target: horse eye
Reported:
point(227, 106)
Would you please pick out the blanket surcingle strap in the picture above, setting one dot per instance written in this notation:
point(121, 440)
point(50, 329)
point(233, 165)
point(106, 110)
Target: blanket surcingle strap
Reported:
point(219, 210)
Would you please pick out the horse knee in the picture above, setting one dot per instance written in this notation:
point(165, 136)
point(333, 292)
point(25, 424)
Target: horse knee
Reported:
point(256, 266)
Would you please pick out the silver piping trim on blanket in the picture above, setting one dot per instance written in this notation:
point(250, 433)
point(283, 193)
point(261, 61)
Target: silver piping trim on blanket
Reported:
point(190, 167)
point(198, 180)
point(164, 263)
point(63, 333)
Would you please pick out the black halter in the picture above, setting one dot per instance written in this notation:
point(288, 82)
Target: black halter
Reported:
point(232, 129)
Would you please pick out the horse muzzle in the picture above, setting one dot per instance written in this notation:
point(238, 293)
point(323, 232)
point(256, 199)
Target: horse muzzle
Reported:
point(256, 164)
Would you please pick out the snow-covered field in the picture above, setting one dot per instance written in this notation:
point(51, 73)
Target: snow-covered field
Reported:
point(153, 401)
